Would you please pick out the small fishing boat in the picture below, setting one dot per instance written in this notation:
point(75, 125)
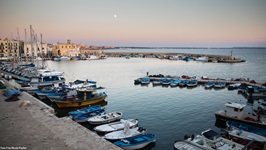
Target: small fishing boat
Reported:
point(126, 133)
point(244, 138)
point(165, 82)
point(105, 118)
point(202, 59)
point(156, 82)
point(183, 83)
point(136, 142)
point(175, 83)
point(246, 127)
point(208, 140)
point(84, 110)
point(184, 145)
point(115, 126)
point(85, 97)
point(209, 84)
point(234, 86)
point(219, 85)
point(137, 81)
point(188, 58)
point(64, 58)
point(234, 112)
point(79, 84)
point(192, 83)
point(85, 116)
point(145, 80)
point(54, 92)
point(92, 57)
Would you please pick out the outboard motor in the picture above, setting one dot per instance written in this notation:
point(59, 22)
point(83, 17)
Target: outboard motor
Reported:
point(186, 137)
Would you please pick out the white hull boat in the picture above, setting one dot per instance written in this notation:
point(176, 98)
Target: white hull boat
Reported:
point(126, 133)
point(115, 126)
point(210, 140)
point(105, 118)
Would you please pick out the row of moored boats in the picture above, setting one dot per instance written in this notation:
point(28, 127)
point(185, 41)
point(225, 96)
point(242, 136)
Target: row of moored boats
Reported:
point(124, 133)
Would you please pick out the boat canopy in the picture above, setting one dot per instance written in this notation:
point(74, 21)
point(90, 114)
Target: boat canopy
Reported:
point(235, 105)
point(210, 134)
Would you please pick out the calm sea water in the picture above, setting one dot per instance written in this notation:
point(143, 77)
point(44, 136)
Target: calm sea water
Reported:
point(170, 113)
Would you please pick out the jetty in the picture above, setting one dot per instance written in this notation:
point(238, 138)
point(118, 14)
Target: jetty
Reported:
point(163, 55)
point(31, 124)
point(203, 80)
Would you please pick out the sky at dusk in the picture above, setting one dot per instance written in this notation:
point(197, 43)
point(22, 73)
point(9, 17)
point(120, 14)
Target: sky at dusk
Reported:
point(213, 23)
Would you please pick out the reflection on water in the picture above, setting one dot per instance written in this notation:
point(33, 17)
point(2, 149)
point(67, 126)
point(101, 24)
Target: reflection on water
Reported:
point(170, 113)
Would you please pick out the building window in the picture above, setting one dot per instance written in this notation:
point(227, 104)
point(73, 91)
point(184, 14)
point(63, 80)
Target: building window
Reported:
point(66, 46)
point(74, 46)
point(62, 46)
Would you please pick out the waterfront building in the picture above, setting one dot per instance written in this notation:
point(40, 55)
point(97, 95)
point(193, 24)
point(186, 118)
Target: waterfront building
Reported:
point(10, 48)
point(36, 49)
point(66, 49)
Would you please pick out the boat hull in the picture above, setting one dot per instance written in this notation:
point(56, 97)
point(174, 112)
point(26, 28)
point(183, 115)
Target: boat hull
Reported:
point(226, 118)
point(67, 104)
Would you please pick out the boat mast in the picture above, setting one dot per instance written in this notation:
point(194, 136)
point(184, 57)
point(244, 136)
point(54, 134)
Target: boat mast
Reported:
point(42, 54)
point(25, 46)
point(18, 39)
point(37, 49)
point(31, 44)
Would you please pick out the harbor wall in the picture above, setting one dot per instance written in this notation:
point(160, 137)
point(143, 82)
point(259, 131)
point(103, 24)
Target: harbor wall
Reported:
point(152, 54)
point(31, 124)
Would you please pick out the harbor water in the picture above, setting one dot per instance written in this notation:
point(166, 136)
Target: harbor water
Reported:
point(168, 112)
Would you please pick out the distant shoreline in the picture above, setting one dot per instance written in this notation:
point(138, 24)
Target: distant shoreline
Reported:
point(188, 48)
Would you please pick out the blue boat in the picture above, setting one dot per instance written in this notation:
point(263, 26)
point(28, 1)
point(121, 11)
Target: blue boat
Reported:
point(246, 127)
point(56, 95)
point(165, 81)
point(183, 83)
point(192, 83)
point(187, 58)
point(209, 84)
point(84, 110)
point(136, 142)
point(42, 94)
point(174, 83)
point(85, 116)
point(145, 80)
point(219, 85)
point(234, 86)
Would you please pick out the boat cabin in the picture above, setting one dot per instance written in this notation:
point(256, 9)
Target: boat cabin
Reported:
point(85, 94)
point(234, 109)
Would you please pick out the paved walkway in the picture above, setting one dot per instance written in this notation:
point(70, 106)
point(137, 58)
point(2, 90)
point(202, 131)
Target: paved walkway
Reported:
point(35, 127)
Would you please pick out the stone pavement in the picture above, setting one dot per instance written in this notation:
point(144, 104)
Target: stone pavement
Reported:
point(35, 127)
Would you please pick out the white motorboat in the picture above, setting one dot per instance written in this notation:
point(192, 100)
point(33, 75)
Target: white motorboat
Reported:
point(203, 59)
point(126, 133)
point(92, 57)
point(115, 126)
point(211, 140)
point(64, 58)
point(105, 118)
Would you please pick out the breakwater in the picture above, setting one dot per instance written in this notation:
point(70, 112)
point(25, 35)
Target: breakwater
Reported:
point(35, 126)
point(219, 58)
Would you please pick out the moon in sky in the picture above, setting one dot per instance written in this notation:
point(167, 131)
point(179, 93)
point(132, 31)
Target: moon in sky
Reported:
point(115, 16)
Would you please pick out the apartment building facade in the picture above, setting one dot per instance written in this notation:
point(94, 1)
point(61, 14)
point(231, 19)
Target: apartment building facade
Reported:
point(10, 47)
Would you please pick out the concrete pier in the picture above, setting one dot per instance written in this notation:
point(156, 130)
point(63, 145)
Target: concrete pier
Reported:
point(219, 58)
point(35, 127)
